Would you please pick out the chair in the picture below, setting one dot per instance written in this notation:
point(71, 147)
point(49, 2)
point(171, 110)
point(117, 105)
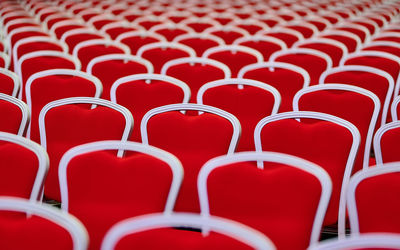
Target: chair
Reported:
point(226, 234)
point(38, 226)
point(359, 30)
point(147, 181)
point(313, 61)
point(266, 45)
point(234, 56)
point(195, 72)
point(385, 143)
point(369, 210)
point(199, 42)
point(323, 139)
point(15, 115)
point(194, 139)
point(286, 78)
point(108, 68)
point(117, 28)
point(68, 122)
point(199, 24)
point(357, 105)
point(307, 29)
point(148, 21)
point(352, 41)
point(287, 35)
point(136, 39)
point(288, 196)
point(248, 100)
point(10, 83)
point(77, 35)
point(252, 26)
point(395, 109)
point(59, 28)
point(228, 33)
point(384, 46)
point(171, 30)
point(142, 92)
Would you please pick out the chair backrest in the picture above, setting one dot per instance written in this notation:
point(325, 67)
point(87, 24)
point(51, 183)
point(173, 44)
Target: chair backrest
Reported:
point(385, 143)
point(200, 24)
point(344, 101)
point(147, 181)
point(47, 227)
point(286, 78)
point(74, 36)
point(196, 71)
point(369, 210)
point(60, 27)
point(142, 92)
point(352, 41)
point(395, 109)
point(10, 83)
point(194, 139)
point(227, 234)
point(324, 139)
point(199, 42)
point(117, 28)
point(266, 45)
point(287, 35)
point(68, 122)
point(15, 115)
point(136, 39)
point(248, 100)
point(109, 68)
point(228, 33)
point(171, 30)
point(288, 195)
point(384, 46)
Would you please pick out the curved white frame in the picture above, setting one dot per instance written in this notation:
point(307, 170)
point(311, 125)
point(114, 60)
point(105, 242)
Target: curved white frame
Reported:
point(79, 31)
point(387, 34)
point(350, 160)
point(140, 33)
point(25, 111)
point(265, 38)
point(148, 77)
point(194, 60)
point(392, 167)
point(284, 30)
point(233, 229)
point(171, 160)
point(227, 28)
point(316, 18)
point(53, 16)
point(378, 137)
point(354, 89)
point(165, 45)
point(349, 24)
point(75, 228)
point(23, 29)
point(370, 22)
point(254, 22)
point(393, 108)
point(119, 57)
point(343, 33)
point(272, 65)
point(65, 23)
point(45, 10)
point(201, 36)
point(118, 24)
point(43, 162)
point(383, 44)
point(240, 82)
point(224, 15)
point(197, 107)
point(306, 51)
point(89, 100)
point(6, 59)
point(14, 77)
point(27, 20)
point(367, 69)
point(327, 41)
point(171, 26)
point(302, 23)
point(233, 49)
point(100, 17)
point(148, 18)
point(289, 160)
point(270, 16)
point(207, 20)
point(105, 42)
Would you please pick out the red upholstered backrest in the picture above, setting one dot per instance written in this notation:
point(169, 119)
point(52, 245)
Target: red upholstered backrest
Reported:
point(277, 200)
point(147, 24)
point(18, 166)
point(388, 38)
point(170, 34)
point(61, 30)
point(50, 88)
point(392, 50)
point(199, 26)
point(135, 42)
point(100, 23)
point(286, 81)
point(378, 204)
point(389, 148)
point(71, 125)
point(324, 143)
point(87, 53)
point(20, 35)
point(20, 232)
point(140, 97)
point(35, 46)
point(194, 140)
point(11, 117)
point(335, 53)
point(304, 30)
point(159, 56)
point(346, 105)
point(234, 60)
point(111, 70)
point(251, 28)
point(178, 239)
point(355, 31)
point(195, 75)
point(104, 189)
point(350, 43)
point(53, 21)
point(228, 36)
point(249, 105)
point(114, 32)
point(264, 47)
point(21, 25)
point(73, 40)
point(6, 84)
point(199, 44)
point(287, 38)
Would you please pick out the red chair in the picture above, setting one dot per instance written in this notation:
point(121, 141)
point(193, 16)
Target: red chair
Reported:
point(323, 139)
point(171, 30)
point(384, 46)
point(15, 115)
point(147, 181)
point(200, 24)
point(288, 195)
point(142, 92)
point(248, 100)
point(114, 29)
point(352, 41)
point(287, 35)
point(59, 28)
point(136, 39)
point(199, 42)
point(108, 68)
point(148, 21)
point(168, 229)
point(266, 45)
point(31, 225)
point(388, 36)
point(385, 143)
point(307, 29)
point(68, 122)
point(252, 26)
point(194, 139)
point(10, 83)
point(286, 78)
point(359, 30)
point(77, 35)
point(228, 33)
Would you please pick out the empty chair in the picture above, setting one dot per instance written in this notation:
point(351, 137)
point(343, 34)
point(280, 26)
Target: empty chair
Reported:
point(323, 139)
point(108, 68)
point(148, 21)
point(38, 226)
point(114, 29)
point(352, 41)
point(68, 122)
point(287, 35)
point(307, 29)
point(200, 24)
point(147, 181)
point(136, 39)
point(171, 30)
point(386, 143)
point(15, 115)
point(248, 100)
point(228, 33)
point(74, 36)
point(266, 45)
point(285, 195)
point(388, 36)
point(385, 46)
point(194, 139)
point(10, 83)
point(200, 42)
point(251, 25)
point(61, 27)
point(142, 92)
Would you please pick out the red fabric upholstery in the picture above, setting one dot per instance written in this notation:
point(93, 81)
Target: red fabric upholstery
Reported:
point(19, 232)
point(87, 53)
point(249, 105)
point(195, 75)
point(140, 97)
point(389, 148)
point(350, 43)
point(179, 239)
point(148, 24)
point(38, 45)
point(159, 56)
point(323, 143)
point(104, 189)
point(234, 60)
point(100, 23)
point(194, 140)
point(304, 30)
point(287, 82)
point(251, 28)
point(114, 32)
point(199, 27)
point(53, 21)
point(170, 34)
point(388, 38)
point(334, 52)
point(199, 44)
point(377, 212)
point(18, 166)
point(357, 32)
point(71, 125)
point(61, 30)
point(73, 40)
point(20, 35)
point(278, 200)
point(287, 38)
point(228, 36)
point(264, 47)
point(11, 117)
point(6, 83)
point(20, 25)
point(392, 50)
point(135, 42)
